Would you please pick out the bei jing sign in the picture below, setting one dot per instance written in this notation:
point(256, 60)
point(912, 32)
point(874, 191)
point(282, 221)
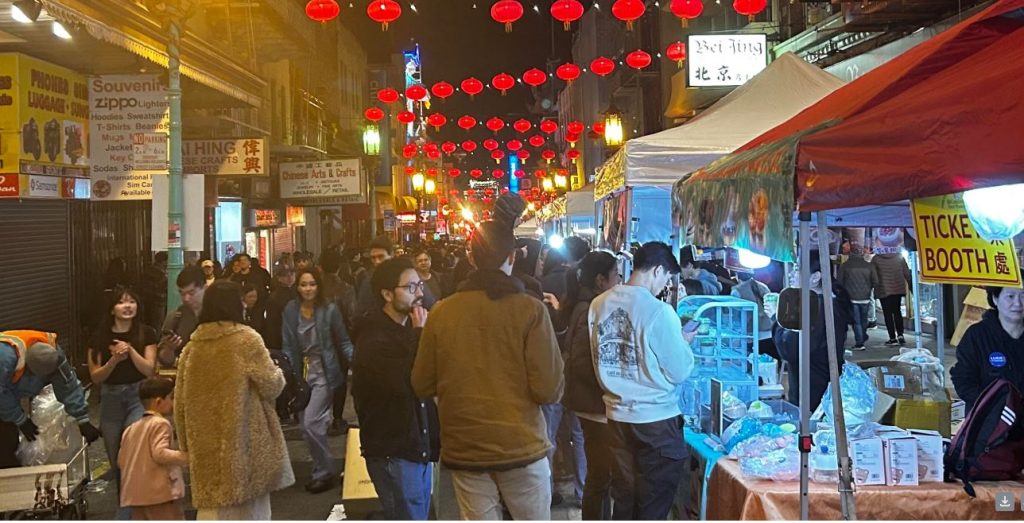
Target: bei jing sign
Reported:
point(723, 60)
point(951, 251)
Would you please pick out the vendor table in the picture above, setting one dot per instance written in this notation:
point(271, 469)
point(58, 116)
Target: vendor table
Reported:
point(733, 497)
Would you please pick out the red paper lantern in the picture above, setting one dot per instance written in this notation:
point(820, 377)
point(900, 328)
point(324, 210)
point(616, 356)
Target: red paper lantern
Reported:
point(536, 140)
point(523, 155)
point(322, 10)
point(410, 150)
point(491, 144)
point(416, 93)
point(454, 172)
point(540, 173)
point(548, 155)
point(506, 12)
point(535, 77)
point(406, 117)
point(548, 126)
point(628, 11)
point(436, 120)
point(514, 145)
point(476, 173)
point(495, 124)
point(410, 170)
point(687, 10)
point(434, 155)
point(384, 12)
point(520, 173)
point(602, 66)
point(469, 146)
point(466, 122)
point(598, 128)
point(568, 72)
point(497, 154)
point(497, 173)
point(575, 127)
point(472, 86)
point(638, 59)
point(572, 155)
point(387, 95)
point(449, 147)
point(567, 12)
point(676, 52)
point(572, 138)
point(522, 125)
point(374, 114)
point(503, 82)
point(749, 7)
point(442, 90)
point(430, 146)
point(433, 172)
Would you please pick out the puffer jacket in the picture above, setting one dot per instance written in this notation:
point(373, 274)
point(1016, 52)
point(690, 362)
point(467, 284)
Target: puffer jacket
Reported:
point(582, 391)
point(893, 275)
point(858, 277)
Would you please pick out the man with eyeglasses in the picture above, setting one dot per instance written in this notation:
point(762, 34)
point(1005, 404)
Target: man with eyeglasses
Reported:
point(399, 431)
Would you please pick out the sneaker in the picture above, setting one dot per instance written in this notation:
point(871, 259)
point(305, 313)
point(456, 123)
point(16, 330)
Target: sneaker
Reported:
point(892, 342)
point(903, 341)
point(859, 347)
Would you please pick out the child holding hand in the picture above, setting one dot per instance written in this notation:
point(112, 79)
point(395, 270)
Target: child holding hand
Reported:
point(152, 485)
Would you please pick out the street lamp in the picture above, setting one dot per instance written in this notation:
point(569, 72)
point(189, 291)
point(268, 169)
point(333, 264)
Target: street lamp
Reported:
point(613, 133)
point(548, 185)
point(371, 140)
point(371, 148)
point(561, 181)
point(429, 187)
point(418, 183)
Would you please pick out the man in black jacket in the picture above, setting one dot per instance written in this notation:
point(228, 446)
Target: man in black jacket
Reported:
point(400, 436)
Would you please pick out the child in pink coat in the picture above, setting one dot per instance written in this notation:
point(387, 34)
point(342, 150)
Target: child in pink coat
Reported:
point(151, 469)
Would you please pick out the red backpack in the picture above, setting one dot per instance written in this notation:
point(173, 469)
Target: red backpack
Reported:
point(990, 444)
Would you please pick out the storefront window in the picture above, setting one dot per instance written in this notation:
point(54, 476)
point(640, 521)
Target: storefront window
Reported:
point(229, 230)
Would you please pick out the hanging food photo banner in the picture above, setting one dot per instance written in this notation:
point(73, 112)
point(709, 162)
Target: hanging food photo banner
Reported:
point(745, 200)
point(725, 60)
point(329, 181)
point(951, 251)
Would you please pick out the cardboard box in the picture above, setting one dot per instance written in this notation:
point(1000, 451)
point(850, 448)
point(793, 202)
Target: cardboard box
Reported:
point(895, 378)
point(357, 491)
point(868, 461)
point(957, 411)
point(924, 413)
point(975, 305)
point(900, 457)
point(930, 465)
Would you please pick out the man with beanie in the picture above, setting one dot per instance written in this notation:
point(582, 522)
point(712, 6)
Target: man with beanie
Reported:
point(29, 361)
point(489, 355)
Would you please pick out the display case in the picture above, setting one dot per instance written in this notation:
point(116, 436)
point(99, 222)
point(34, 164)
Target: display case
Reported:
point(724, 349)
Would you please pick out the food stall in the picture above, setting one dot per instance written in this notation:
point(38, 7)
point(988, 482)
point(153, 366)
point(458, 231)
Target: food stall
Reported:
point(900, 133)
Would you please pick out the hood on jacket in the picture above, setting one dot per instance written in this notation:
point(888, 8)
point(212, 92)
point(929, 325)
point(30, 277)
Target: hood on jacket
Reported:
point(495, 283)
point(216, 331)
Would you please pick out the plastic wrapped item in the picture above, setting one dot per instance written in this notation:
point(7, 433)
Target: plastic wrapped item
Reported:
point(732, 406)
point(55, 430)
point(761, 444)
point(760, 410)
point(932, 370)
point(823, 463)
point(777, 465)
point(767, 368)
point(858, 394)
point(740, 430)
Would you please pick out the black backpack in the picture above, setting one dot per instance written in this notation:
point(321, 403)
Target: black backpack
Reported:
point(296, 393)
point(990, 444)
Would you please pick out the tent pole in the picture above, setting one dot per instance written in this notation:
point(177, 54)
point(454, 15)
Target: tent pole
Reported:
point(627, 242)
point(915, 280)
point(846, 503)
point(940, 330)
point(805, 359)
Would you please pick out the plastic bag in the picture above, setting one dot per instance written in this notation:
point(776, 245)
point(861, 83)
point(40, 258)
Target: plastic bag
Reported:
point(55, 431)
point(740, 430)
point(777, 465)
point(932, 370)
point(761, 444)
point(859, 393)
point(732, 406)
point(760, 410)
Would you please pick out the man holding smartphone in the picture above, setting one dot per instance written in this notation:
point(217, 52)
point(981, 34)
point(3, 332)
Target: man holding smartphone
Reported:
point(182, 322)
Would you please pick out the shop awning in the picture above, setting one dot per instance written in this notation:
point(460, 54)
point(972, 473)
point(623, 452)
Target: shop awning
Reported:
point(405, 204)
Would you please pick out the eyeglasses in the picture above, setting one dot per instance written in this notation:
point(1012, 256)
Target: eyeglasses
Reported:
point(413, 287)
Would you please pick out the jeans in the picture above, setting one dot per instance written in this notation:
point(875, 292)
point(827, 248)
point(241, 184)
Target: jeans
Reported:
point(525, 490)
point(649, 463)
point(554, 415)
point(316, 420)
point(860, 323)
point(893, 315)
point(403, 487)
point(597, 442)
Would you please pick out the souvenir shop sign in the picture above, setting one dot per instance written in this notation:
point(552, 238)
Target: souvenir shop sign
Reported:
point(328, 181)
point(242, 157)
point(951, 251)
point(44, 114)
point(744, 200)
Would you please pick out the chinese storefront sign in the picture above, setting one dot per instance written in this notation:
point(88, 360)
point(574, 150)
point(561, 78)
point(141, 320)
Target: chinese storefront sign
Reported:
point(951, 250)
point(329, 181)
point(266, 218)
point(44, 111)
point(128, 113)
point(296, 215)
point(241, 157)
point(722, 60)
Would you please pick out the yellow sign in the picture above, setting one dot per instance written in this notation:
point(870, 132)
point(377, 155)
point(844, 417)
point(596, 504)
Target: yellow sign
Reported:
point(44, 111)
point(951, 251)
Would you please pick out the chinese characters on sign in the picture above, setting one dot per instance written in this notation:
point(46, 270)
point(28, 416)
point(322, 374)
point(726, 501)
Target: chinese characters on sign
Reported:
point(240, 157)
point(329, 181)
point(953, 252)
point(725, 60)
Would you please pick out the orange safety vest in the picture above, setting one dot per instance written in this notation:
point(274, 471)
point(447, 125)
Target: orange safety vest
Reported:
point(20, 341)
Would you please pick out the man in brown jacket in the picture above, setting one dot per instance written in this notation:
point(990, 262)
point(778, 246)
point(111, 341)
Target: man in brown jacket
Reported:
point(489, 355)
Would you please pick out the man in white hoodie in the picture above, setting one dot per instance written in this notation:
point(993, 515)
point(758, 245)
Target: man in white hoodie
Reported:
point(640, 357)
